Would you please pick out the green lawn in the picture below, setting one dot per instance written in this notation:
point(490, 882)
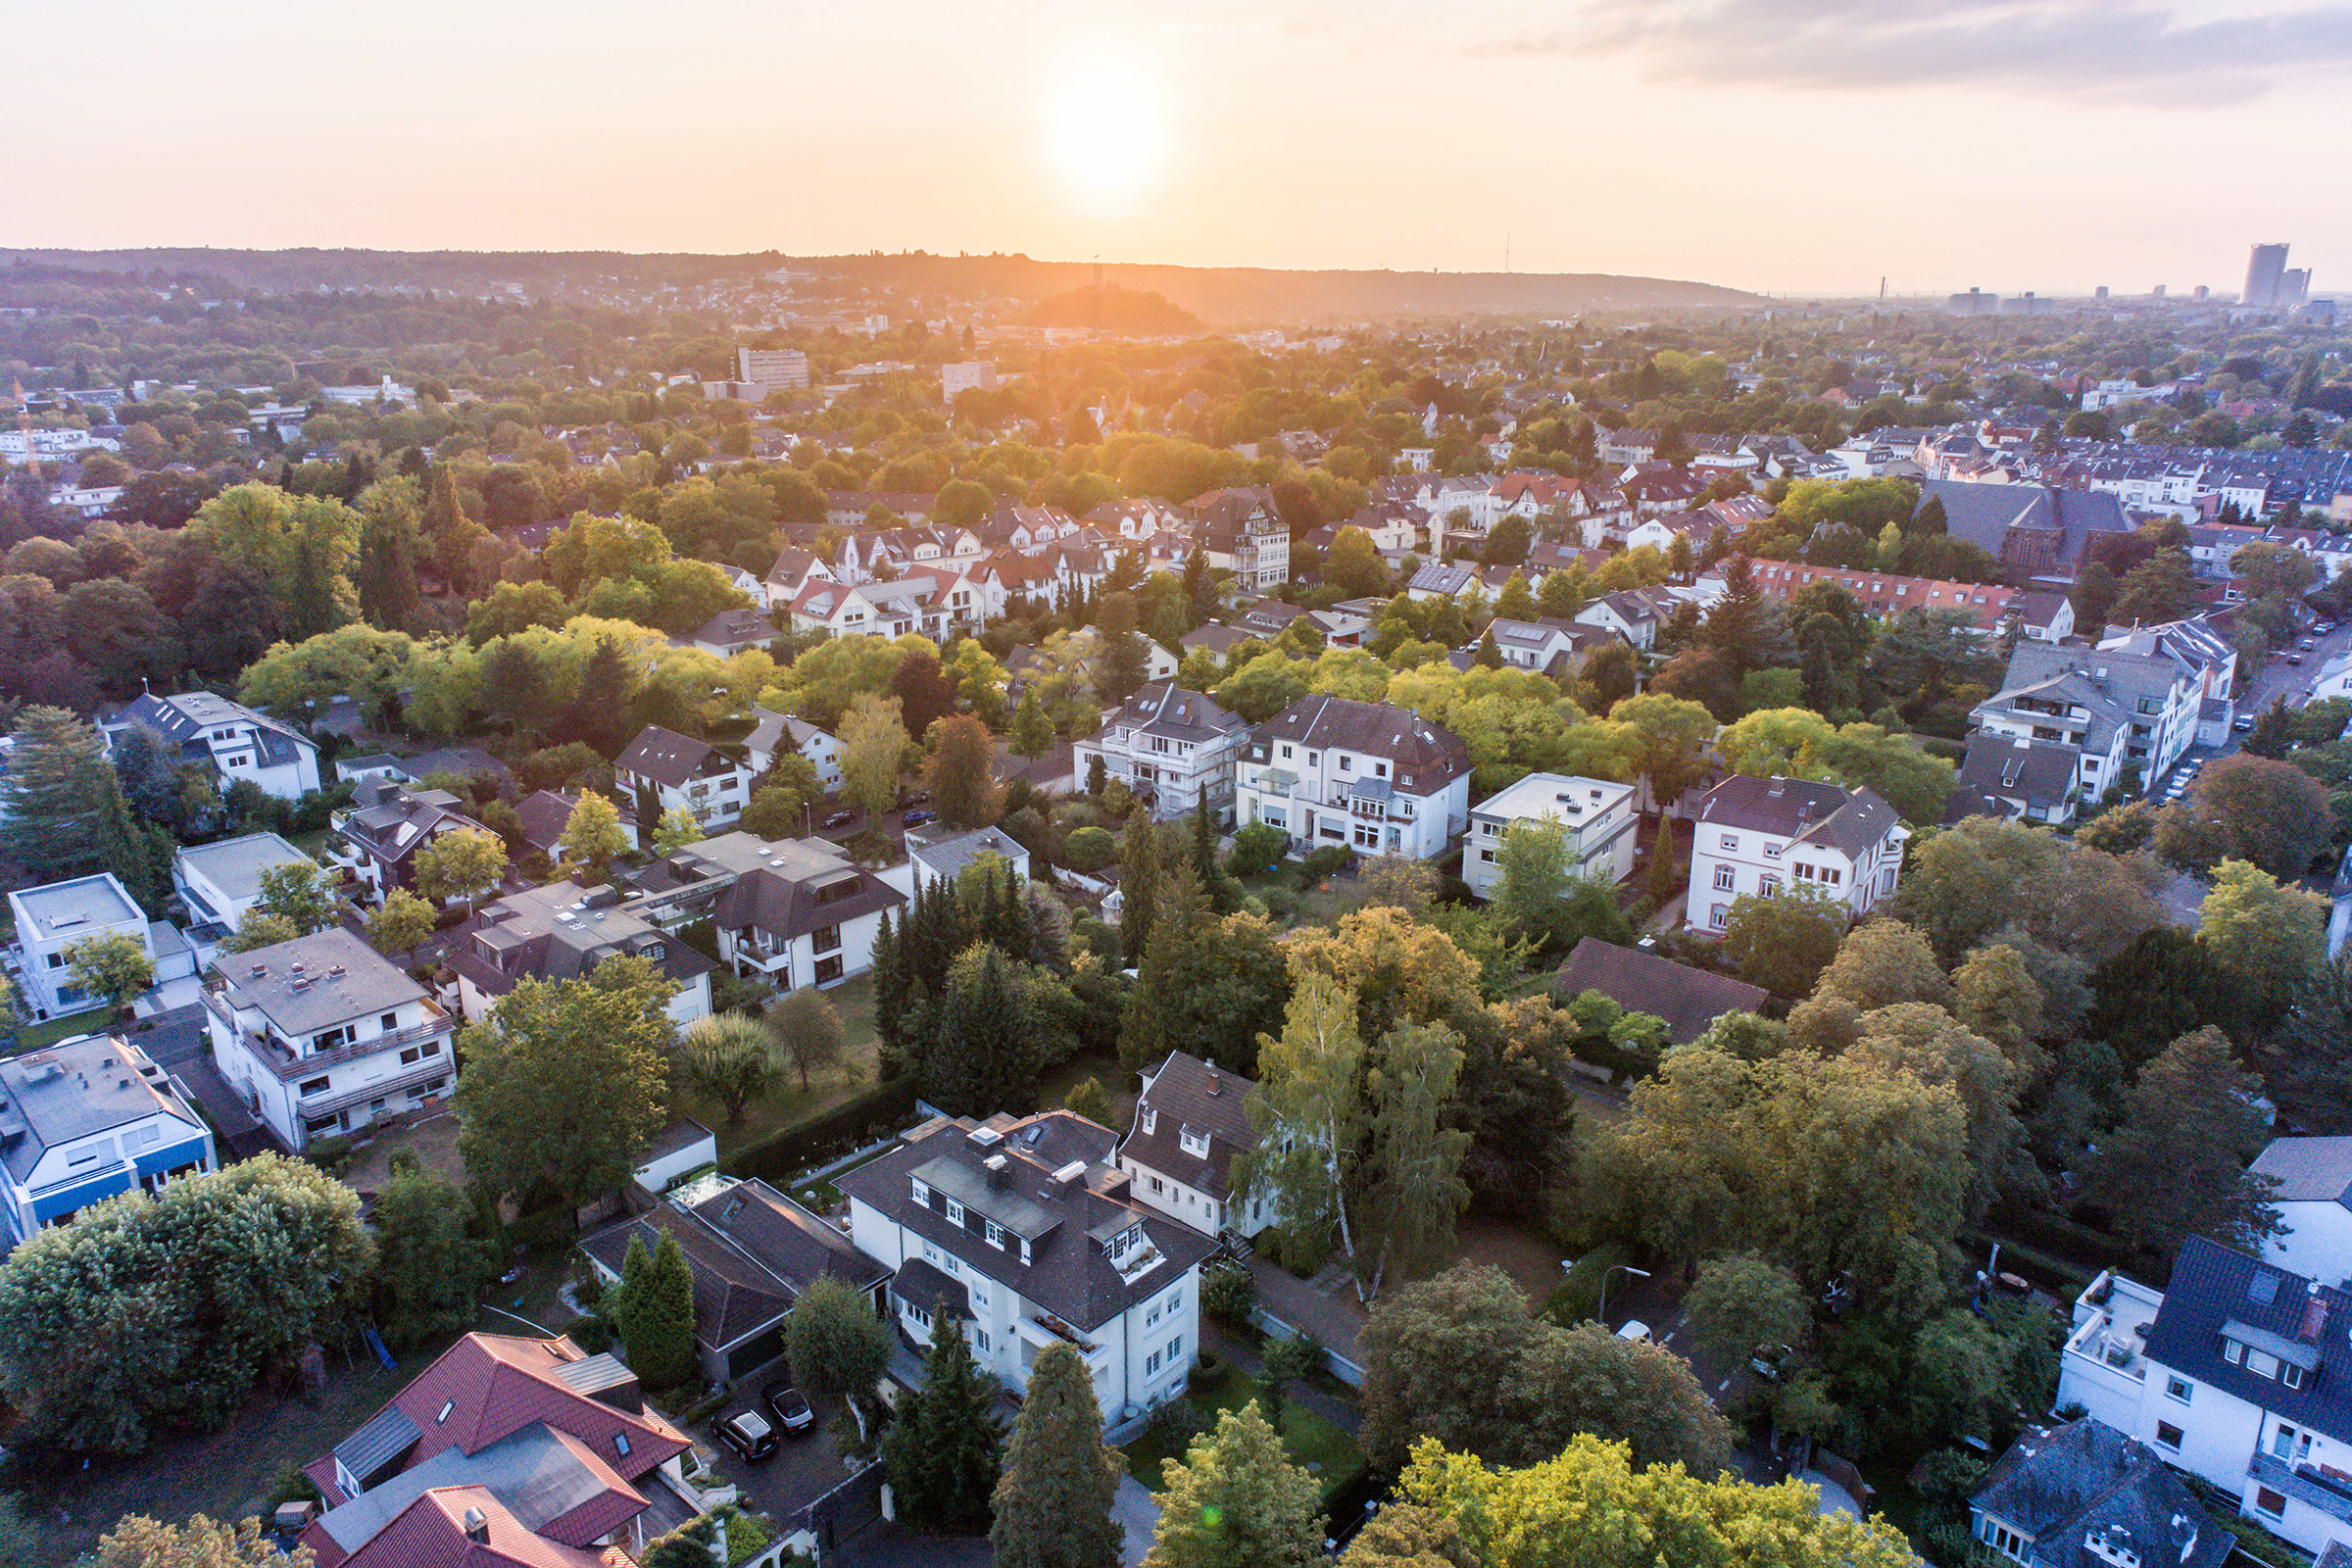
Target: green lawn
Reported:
point(1328, 1454)
point(33, 1036)
point(823, 1195)
point(854, 1000)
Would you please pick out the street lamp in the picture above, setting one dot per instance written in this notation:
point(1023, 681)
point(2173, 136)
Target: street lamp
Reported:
point(1638, 1273)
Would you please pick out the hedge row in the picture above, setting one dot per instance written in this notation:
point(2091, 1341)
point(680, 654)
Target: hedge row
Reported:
point(2092, 1250)
point(855, 1122)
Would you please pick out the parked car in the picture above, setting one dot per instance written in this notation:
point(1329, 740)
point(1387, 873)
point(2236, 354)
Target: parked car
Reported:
point(2294, 658)
point(919, 819)
point(841, 819)
point(2307, 645)
point(1633, 1329)
point(785, 1403)
point(748, 1433)
point(2243, 723)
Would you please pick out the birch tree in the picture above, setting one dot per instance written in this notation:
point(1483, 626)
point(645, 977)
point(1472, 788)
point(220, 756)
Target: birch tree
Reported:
point(1305, 1112)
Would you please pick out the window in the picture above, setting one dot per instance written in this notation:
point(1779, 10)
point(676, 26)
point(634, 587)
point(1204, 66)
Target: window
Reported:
point(1772, 851)
point(1726, 878)
point(1175, 1347)
point(1346, 763)
point(2269, 1504)
point(1193, 1143)
point(1151, 1363)
point(1730, 841)
point(2258, 1362)
point(2233, 1352)
point(314, 1086)
point(2168, 1436)
point(827, 939)
point(2176, 1388)
point(980, 1339)
point(995, 1234)
point(447, 1406)
point(2291, 1375)
point(1486, 856)
point(389, 1022)
point(955, 1212)
point(922, 1192)
point(2283, 1442)
point(2005, 1541)
point(1719, 915)
point(828, 969)
point(1286, 754)
point(1768, 886)
point(621, 1442)
point(410, 1055)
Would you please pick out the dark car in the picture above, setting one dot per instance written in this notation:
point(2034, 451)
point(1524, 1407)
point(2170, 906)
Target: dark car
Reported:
point(918, 798)
point(841, 819)
point(2306, 644)
point(785, 1403)
point(919, 819)
point(2243, 723)
point(748, 1433)
point(2294, 658)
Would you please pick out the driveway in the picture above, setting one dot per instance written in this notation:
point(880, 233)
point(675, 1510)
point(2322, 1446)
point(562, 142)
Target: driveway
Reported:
point(805, 1467)
point(1138, 1510)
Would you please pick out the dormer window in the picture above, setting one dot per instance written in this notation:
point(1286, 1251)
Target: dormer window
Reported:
point(1151, 1119)
point(922, 1192)
point(955, 1212)
point(1194, 1142)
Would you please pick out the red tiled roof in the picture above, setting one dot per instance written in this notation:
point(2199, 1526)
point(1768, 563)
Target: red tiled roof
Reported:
point(430, 1533)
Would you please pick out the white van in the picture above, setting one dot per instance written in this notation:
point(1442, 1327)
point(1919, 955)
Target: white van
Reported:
point(1635, 1330)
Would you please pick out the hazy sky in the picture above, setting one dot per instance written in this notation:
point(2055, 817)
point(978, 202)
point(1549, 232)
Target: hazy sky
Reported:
point(1768, 144)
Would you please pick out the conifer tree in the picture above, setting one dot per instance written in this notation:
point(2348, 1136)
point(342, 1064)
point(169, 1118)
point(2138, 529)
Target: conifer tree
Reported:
point(890, 998)
point(1138, 884)
point(980, 1059)
point(1053, 1504)
point(1032, 730)
point(1235, 1500)
point(56, 802)
point(945, 1452)
point(1489, 655)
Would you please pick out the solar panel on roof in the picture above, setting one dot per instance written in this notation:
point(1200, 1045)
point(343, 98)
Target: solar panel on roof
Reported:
point(2263, 1287)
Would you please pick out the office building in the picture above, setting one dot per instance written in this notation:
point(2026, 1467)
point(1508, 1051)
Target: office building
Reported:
point(2266, 273)
point(773, 370)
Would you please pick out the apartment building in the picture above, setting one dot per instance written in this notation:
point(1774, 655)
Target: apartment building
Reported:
point(1597, 818)
point(88, 1119)
point(1024, 1233)
point(663, 772)
point(237, 743)
point(1173, 747)
point(1762, 835)
point(1365, 776)
point(321, 1035)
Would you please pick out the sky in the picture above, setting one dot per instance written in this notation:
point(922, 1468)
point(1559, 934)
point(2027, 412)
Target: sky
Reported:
point(1776, 145)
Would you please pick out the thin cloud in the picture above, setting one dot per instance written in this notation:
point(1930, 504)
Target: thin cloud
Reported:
point(2107, 49)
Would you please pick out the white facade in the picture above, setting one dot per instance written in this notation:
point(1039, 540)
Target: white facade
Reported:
point(1598, 816)
point(52, 918)
point(1342, 792)
point(85, 1120)
point(1174, 747)
point(1762, 836)
point(321, 1036)
point(773, 731)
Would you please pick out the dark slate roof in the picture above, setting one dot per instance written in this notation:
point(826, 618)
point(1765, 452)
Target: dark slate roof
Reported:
point(735, 1296)
point(2309, 1170)
point(1800, 809)
point(782, 905)
point(2086, 1480)
point(2033, 774)
point(1688, 1000)
point(791, 1242)
point(1188, 1094)
point(315, 982)
point(1987, 514)
point(668, 757)
point(743, 628)
point(377, 1445)
point(1424, 757)
point(921, 1285)
point(1164, 708)
point(2212, 1286)
point(1068, 1274)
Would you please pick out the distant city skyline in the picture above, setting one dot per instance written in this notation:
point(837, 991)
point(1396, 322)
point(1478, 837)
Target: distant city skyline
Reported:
point(2052, 145)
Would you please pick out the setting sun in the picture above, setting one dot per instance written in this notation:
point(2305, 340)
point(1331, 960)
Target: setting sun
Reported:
point(1107, 130)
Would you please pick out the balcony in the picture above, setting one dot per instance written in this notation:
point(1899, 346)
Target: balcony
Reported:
point(408, 1078)
point(284, 1060)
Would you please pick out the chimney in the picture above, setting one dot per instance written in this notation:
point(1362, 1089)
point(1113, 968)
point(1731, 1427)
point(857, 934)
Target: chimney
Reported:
point(477, 1527)
point(2315, 1315)
point(999, 1169)
point(1216, 1085)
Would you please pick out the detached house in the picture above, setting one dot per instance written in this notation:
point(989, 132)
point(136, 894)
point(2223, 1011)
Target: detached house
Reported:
point(1024, 1233)
point(561, 932)
point(1597, 818)
point(1760, 836)
point(1245, 535)
point(932, 603)
point(1367, 776)
point(795, 912)
point(1172, 748)
point(1634, 614)
point(378, 834)
point(773, 733)
point(664, 771)
point(2090, 1497)
point(232, 740)
point(1190, 1122)
point(321, 1036)
point(52, 918)
point(505, 1452)
point(86, 1120)
point(2238, 1372)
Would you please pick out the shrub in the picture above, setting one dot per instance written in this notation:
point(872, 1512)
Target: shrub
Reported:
point(1577, 1297)
point(1229, 1294)
point(1178, 1422)
point(852, 1124)
point(1321, 862)
point(1257, 848)
point(1089, 849)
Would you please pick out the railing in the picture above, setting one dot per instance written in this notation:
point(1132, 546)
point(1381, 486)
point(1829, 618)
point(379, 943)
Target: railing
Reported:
point(280, 1059)
point(423, 1072)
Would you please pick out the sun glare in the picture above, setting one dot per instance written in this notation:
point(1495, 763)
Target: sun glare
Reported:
point(1106, 129)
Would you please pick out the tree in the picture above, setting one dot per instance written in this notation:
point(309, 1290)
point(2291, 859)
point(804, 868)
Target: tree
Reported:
point(984, 1057)
point(653, 1311)
point(945, 1454)
point(1784, 943)
point(1138, 884)
point(1666, 741)
point(388, 546)
point(138, 1542)
point(1206, 987)
point(426, 1267)
point(57, 793)
point(2177, 1167)
point(302, 548)
point(1589, 1504)
point(962, 756)
point(400, 924)
point(565, 1082)
point(1305, 1112)
point(258, 929)
point(2160, 589)
point(1354, 564)
point(809, 1031)
point(1032, 730)
point(678, 828)
point(592, 837)
point(838, 1346)
point(462, 865)
point(2270, 812)
point(1288, 1358)
point(112, 965)
point(1235, 1500)
point(299, 891)
point(2270, 940)
point(1052, 1502)
point(874, 747)
point(1397, 880)
point(729, 1057)
point(149, 1311)
point(1416, 1190)
point(1741, 1303)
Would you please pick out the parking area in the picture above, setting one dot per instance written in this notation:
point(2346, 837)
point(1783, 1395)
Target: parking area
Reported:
point(804, 1468)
